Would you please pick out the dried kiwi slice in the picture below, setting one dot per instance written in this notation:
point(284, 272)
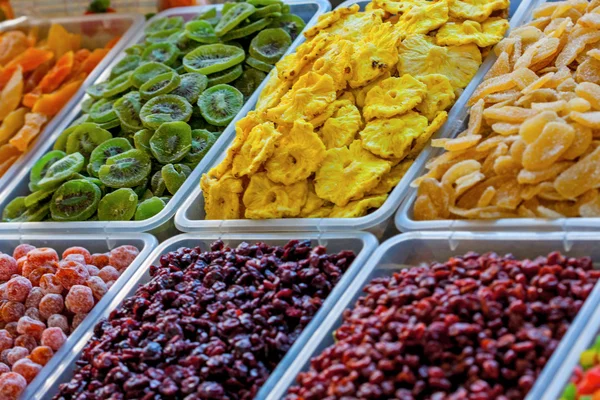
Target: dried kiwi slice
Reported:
point(157, 184)
point(208, 14)
point(39, 169)
point(147, 195)
point(135, 50)
point(171, 142)
point(155, 26)
point(270, 44)
point(104, 151)
point(174, 23)
point(190, 86)
point(165, 53)
point(80, 120)
point(220, 103)
point(61, 141)
point(149, 208)
point(226, 76)
point(102, 111)
point(141, 140)
point(97, 91)
point(263, 3)
point(61, 170)
point(174, 176)
point(36, 197)
point(233, 17)
point(249, 81)
point(117, 85)
point(202, 141)
point(165, 108)
point(147, 71)
point(127, 109)
point(290, 23)
point(75, 200)
point(265, 11)
point(128, 63)
point(161, 84)
point(110, 124)
point(87, 104)
point(246, 30)
point(212, 58)
point(86, 138)
point(201, 31)
point(259, 65)
point(127, 169)
point(15, 210)
point(119, 205)
point(164, 36)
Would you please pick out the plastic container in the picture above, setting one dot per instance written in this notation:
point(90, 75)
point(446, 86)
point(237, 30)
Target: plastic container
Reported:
point(416, 248)
point(363, 244)
point(161, 224)
point(96, 31)
point(95, 244)
point(190, 217)
point(405, 220)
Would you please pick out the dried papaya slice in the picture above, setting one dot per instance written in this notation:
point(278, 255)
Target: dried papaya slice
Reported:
point(36, 76)
point(11, 94)
point(93, 60)
point(12, 123)
point(33, 125)
point(50, 104)
point(31, 58)
point(32, 97)
point(55, 77)
point(7, 151)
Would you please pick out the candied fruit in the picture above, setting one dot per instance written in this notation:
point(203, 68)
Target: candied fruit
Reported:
point(53, 338)
point(80, 299)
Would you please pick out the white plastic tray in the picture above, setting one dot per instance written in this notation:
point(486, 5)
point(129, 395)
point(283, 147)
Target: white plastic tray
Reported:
point(161, 224)
point(95, 244)
point(416, 248)
point(104, 28)
point(190, 218)
point(363, 244)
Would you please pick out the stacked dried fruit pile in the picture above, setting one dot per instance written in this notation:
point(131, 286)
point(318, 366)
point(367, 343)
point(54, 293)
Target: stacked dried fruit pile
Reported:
point(585, 384)
point(530, 149)
point(146, 129)
point(43, 300)
point(342, 119)
point(474, 327)
point(37, 78)
point(209, 325)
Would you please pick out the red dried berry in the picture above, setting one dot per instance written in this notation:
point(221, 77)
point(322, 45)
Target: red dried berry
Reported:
point(34, 297)
point(12, 311)
point(15, 354)
point(92, 270)
point(98, 287)
point(27, 341)
point(53, 338)
point(6, 340)
point(4, 368)
point(77, 320)
point(42, 256)
point(58, 321)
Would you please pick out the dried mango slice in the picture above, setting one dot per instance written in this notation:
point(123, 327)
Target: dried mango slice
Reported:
point(222, 197)
point(50, 104)
point(359, 208)
point(59, 40)
point(483, 35)
point(298, 154)
point(34, 122)
point(11, 94)
point(256, 149)
point(93, 60)
point(36, 76)
point(438, 97)
point(393, 96)
point(55, 77)
point(266, 199)
point(476, 10)
point(423, 18)
point(30, 59)
point(393, 138)
point(7, 163)
point(12, 44)
point(12, 123)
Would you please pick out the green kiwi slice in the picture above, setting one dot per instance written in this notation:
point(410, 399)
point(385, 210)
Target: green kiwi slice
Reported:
point(97, 91)
point(164, 36)
point(171, 142)
point(202, 141)
point(228, 5)
point(36, 197)
point(141, 188)
point(128, 63)
point(61, 141)
point(212, 58)
point(75, 200)
point(149, 208)
point(165, 53)
point(157, 25)
point(102, 111)
point(127, 109)
point(119, 205)
point(174, 176)
point(135, 50)
point(201, 31)
point(290, 23)
point(147, 71)
point(233, 17)
point(160, 84)
point(157, 184)
point(174, 23)
point(247, 30)
point(190, 86)
point(61, 170)
point(225, 76)
point(147, 195)
point(165, 108)
point(15, 210)
point(220, 103)
point(141, 140)
point(263, 3)
point(87, 104)
point(249, 81)
point(39, 169)
point(80, 120)
point(127, 169)
point(117, 85)
point(270, 44)
point(285, 8)
point(104, 151)
point(259, 65)
point(265, 11)
point(86, 138)
point(208, 14)
point(113, 123)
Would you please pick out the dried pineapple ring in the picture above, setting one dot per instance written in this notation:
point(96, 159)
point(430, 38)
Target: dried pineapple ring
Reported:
point(327, 20)
point(298, 154)
point(423, 19)
point(256, 149)
point(391, 179)
point(265, 199)
point(336, 62)
point(400, 6)
point(340, 129)
point(290, 67)
point(433, 127)
point(359, 208)
point(309, 96)
point(439, 95)
point(393, 138)
point(476, 10)
point(353, 26)
point(393, 96)
point(420, 56)
point(354, 168)
point(273, 91)
point(486, 34)
point(315, 207)
point(221, 197)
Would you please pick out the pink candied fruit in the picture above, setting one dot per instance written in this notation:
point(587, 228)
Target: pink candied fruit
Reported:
point(123, 256)
point(30, 326)
point(34, 313)
point(53, 338)
point(41, 355)
point(58, 321)
point(11, 328)
point(108, 273)
point(75, 257)
point(20, 263)
point(71, 273)
point(80, 299)
point(42, 256)
point(80, 251)
point(77, 320)
point(34, 297)
point(6, 340)
point(92, 270)
point(22, 250)
point(15, 354)
point(50, 284)
point(12, 311)
point(51, 304)
point(98, 287)
point(27, 369)
point(8, 267)
point(100, 260)
point(18, 288)
point(4, 368)
point(11, 385)
point(27, 341)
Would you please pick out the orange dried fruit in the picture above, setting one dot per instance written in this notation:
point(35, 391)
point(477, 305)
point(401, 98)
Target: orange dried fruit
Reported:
point(11, 94)
point(12, 123)
point(93, 60)
point(55, 77)
point(555, 139)
point(51, 104)
point(31, 58)
point(34, 122)
point(59, 40)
